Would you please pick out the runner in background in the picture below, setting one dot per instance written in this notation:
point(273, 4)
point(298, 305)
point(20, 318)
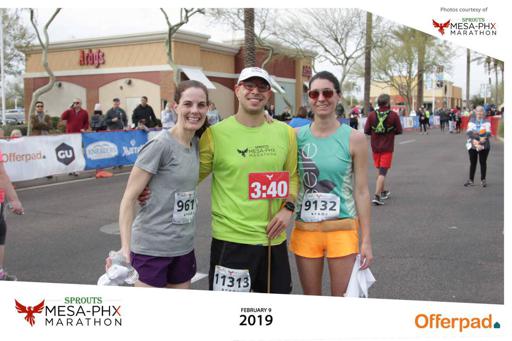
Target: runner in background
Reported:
point(159, 242)
point(382, 124)
point(333, 201)
point(422, 118)
point(230, 150)
point(6, 189)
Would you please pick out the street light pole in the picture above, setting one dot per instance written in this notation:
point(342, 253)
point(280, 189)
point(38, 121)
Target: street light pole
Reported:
point(2, 65)
point(434, 87)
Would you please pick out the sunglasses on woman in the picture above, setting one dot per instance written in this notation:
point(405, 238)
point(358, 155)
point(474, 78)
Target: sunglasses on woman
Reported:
point(327, 93)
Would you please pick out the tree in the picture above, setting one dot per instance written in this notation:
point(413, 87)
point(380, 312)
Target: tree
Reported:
point(249, 40)
point(477, 100)
point(490, 62)
point(368, 62)
point(397, 64)
point(337, 35)
point(16, 37)
point(422, 41)
point(185, 15)
point(264, 20)
point(496, 95)
point(14, 92)
point(44, 45)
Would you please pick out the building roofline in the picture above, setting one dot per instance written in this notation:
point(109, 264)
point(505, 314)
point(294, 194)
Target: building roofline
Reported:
point(128, 39)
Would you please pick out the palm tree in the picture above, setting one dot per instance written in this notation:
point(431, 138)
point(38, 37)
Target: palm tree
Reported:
point(368, 62)
point(250, 45)
point(488, 62)
point(421, 41)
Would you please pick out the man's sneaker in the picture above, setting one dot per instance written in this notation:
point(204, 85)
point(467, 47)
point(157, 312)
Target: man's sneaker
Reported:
point(4, 276)
point(385, 195)
point(377, 200)
point(484, 183)
point(469, 183)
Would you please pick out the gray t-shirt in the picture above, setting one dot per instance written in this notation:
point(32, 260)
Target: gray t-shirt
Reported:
point(165, 226)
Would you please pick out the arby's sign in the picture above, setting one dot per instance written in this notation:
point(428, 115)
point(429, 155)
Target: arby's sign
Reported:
point(90, 57)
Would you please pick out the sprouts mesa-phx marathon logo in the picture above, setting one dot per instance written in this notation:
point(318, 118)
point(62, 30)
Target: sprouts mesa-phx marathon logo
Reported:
point(71, 312)
point(460, 323)
point(468, 25)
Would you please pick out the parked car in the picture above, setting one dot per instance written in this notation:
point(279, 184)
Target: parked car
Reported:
point(14, 116)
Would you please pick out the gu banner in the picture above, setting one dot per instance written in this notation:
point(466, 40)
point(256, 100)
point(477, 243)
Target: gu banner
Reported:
point(28, 158)
point(109, 149)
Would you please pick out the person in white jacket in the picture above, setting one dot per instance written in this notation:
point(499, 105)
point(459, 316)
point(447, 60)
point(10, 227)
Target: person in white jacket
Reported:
point(168, 116)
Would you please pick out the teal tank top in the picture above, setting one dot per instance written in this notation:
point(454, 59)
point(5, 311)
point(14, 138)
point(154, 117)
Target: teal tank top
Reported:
point(326, 172)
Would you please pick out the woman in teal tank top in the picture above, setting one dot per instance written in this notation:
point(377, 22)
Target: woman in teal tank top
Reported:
point(332, 216)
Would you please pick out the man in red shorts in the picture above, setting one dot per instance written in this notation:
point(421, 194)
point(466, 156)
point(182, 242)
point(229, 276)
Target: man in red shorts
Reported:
point(382, 124)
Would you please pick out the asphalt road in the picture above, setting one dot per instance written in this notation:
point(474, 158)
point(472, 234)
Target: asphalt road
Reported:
point(434, 239)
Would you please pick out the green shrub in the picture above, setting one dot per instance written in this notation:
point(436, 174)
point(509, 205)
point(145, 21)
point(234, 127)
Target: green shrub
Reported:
point(8, 128)
point(55, 122)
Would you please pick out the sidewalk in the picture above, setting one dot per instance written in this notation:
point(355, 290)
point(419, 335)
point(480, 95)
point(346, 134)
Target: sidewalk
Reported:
point(67, 178)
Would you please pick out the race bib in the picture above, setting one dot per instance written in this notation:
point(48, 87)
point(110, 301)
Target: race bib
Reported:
point(226, 279)
point(185, 206)
point(319, 207)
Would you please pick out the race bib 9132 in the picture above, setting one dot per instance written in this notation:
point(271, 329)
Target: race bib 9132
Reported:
point(318, 207)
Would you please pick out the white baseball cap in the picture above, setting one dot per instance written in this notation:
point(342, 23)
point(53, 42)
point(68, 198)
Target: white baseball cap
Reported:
point(250, 72)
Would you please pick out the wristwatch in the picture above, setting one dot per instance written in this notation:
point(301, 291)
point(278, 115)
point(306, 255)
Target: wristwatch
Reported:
point(290, 206)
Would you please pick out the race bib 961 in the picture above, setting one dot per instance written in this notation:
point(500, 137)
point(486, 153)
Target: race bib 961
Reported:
point(185, 206)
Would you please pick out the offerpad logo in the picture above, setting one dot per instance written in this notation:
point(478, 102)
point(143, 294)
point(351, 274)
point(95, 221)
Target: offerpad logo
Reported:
point(65, 153)
point(441, 26)
point(29, 311)
point(460, 323)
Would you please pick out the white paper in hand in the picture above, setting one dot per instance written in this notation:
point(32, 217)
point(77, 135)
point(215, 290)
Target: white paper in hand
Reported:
point(360, 281)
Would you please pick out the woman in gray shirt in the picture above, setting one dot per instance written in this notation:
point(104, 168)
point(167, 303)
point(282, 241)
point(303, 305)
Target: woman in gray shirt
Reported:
point(159, 239)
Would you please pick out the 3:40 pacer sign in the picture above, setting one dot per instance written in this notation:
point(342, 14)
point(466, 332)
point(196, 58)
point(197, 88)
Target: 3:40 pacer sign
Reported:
point(269, 185)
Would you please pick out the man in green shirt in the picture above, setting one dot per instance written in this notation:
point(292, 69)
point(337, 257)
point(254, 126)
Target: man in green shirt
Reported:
point(230, 150)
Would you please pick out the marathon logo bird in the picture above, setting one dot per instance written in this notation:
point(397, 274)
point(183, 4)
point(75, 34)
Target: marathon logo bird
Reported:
point(243, 152)
point(441, 27)
point(29, 311)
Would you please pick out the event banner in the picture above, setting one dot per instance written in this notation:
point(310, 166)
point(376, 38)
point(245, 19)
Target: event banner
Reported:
point(111, 149)
point(28, 158)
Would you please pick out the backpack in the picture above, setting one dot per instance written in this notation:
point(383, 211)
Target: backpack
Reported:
point(380, 127)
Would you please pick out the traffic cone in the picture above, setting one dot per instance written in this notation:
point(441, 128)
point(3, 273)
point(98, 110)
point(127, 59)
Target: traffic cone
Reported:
point(100, 174)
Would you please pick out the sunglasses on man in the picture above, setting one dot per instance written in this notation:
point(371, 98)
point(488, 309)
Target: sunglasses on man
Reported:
point(250, 86)
point(327, 93)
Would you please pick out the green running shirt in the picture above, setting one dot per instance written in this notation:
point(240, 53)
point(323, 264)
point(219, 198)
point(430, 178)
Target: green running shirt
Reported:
point(230, 151)
point(325, 166)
